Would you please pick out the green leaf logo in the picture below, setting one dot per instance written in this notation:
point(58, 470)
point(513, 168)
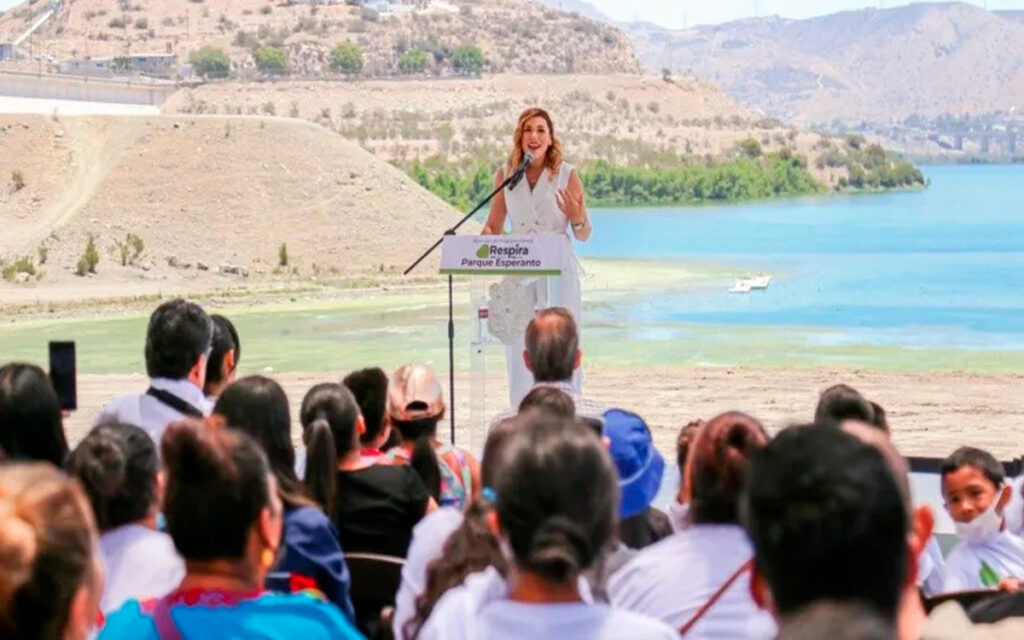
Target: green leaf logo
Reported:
point(483, 251)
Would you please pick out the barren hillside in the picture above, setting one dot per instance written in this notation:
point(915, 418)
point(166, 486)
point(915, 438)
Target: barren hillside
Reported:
point(628, 120)
point(873, 65)
point(515, 35)
point(216, 192)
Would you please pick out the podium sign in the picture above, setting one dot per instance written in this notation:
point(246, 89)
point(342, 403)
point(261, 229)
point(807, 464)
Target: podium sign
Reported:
point(503, 255)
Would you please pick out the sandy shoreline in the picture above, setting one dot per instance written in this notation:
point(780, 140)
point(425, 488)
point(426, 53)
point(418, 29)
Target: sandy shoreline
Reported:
point(931, 413)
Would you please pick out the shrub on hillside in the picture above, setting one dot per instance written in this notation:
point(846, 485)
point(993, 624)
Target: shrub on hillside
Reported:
point(210, 62)
point(265, 9)
point(90, 258)
point(272, 60)
point(130, 249)
point(141, 23)
point(413, 61)
point(468, 59)
point(282, 255)
point(347, 57)
point(21, 265)
point(749, 147)
point(18, 180)
point(370, 15)
point(116, 23)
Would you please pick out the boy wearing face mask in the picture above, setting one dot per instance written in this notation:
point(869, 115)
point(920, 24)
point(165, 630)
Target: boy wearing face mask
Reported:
point(976, 496)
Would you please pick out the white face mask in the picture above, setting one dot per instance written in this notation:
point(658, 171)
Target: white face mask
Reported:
point(985, 524)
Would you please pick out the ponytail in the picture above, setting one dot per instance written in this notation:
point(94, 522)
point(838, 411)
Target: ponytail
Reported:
point(559, 550)
point(424, 462)
point(471, 548)
point(329, 415)
point(321, 465)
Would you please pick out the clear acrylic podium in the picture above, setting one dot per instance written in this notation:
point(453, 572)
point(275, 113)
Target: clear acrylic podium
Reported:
point(497, 267)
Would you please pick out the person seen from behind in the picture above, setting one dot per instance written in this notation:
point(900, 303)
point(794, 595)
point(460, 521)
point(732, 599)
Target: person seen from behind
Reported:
point(370, 388)
point(829, 521)
point(225, 353)
point(119, 469)
point(178, 341)
point(51, 578)
point(555, 500)
point(31, 426)
point(225, 517)
point(976, 495)
point(415, 407)
point(711, 597)
point(312, 554)
point(373, 506)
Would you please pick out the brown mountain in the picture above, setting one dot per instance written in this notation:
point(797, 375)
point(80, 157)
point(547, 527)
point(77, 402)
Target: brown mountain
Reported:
point(870, 65)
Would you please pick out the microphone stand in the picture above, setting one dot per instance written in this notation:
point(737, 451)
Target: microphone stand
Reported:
point(514, 177)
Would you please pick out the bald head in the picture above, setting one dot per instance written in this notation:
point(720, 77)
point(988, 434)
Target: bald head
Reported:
point(552, 345)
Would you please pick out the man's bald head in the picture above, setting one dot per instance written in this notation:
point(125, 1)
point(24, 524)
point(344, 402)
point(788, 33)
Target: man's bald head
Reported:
point(552, 345)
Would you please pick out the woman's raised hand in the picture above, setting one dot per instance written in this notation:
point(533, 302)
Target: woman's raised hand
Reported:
point(571, 205)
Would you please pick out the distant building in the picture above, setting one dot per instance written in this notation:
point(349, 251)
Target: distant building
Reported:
point(92, 67)
point(6, 50)
point(159, 65)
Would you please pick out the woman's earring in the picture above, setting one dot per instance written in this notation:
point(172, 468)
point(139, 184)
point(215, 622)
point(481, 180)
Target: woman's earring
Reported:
point(267, 558)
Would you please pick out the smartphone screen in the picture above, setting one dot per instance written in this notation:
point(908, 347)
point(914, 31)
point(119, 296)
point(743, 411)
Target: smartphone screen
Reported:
point(63, 375)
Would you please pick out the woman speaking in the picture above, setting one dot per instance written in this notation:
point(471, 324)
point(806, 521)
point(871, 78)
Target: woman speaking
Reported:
point(549, 200)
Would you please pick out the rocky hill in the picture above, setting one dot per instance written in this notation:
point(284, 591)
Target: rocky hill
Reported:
point(514, 35)
point(869, 65)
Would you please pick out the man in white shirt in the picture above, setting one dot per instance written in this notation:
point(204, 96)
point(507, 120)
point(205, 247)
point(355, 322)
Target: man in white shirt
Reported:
point(552, 355)
point(976, 495)
point(177, 348)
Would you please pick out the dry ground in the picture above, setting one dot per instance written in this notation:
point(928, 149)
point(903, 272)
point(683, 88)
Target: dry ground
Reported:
point(931, 413)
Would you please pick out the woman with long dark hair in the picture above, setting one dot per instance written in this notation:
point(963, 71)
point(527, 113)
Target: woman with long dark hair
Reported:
point(30, 418)
point(548, 200)
point(313, 556)
point(373, 506)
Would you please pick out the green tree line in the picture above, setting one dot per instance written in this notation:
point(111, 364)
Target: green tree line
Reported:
point(773, 175)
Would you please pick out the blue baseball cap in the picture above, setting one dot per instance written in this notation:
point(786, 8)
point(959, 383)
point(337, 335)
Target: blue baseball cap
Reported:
point(639, 464)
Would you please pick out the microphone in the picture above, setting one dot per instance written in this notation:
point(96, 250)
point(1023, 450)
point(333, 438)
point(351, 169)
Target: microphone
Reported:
point(521, 171)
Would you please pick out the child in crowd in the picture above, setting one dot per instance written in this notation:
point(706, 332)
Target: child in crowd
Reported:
point(976, 496)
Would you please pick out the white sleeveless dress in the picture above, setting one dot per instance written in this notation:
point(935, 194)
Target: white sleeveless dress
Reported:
point(536, 211)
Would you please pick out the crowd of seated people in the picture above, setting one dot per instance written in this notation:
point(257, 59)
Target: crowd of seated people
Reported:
point(187, 512)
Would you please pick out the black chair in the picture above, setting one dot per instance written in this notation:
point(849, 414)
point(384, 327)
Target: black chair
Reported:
point(966, 599)
point(375, 581)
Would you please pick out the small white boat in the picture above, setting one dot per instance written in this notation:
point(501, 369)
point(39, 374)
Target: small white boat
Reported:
point(760, 282)
point(741, 286)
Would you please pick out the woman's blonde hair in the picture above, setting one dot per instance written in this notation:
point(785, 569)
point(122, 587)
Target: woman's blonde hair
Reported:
point(47, 538)
point(554, 155)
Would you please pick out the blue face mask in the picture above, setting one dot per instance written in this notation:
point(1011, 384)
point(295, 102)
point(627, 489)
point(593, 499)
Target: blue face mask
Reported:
point(161, 522)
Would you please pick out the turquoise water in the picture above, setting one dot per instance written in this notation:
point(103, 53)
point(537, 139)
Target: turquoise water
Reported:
point(941, 268)
point(921, 280)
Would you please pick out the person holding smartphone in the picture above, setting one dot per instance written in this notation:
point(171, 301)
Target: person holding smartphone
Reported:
point(178, 342)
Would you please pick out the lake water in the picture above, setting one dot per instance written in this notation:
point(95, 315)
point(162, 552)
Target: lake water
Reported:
point(940, 269)
point(921, 280)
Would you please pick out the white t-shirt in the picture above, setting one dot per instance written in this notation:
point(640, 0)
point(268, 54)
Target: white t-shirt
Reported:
point(1003, 553)
point(480, 609)
point(428, 538)
point(673, 578)
point(150, 414)
point(1014, 512)
point(140, 563)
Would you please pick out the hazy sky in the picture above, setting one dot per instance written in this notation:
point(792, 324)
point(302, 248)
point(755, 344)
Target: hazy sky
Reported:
point(670, 13)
